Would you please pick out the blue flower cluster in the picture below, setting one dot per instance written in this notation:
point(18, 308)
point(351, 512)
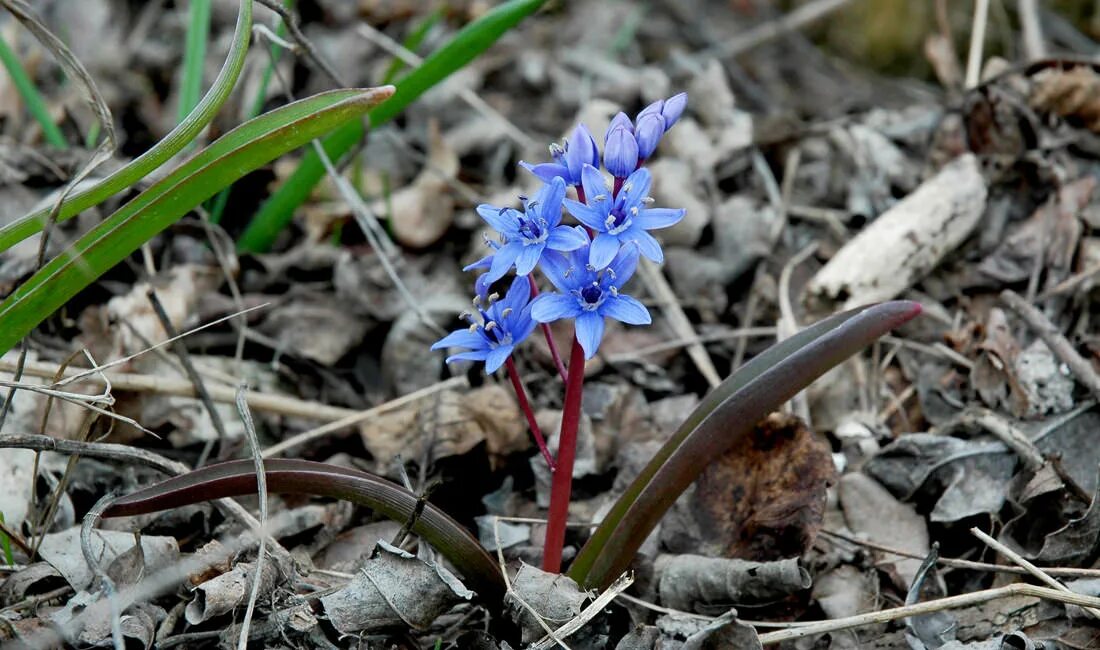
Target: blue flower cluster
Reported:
point(587, 264)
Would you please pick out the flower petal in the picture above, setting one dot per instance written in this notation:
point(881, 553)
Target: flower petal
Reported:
point(503, 260)
point(529, 257)
point(620, 154)
point(566, 238)
point(624, 264)
point(503, 220)
point(635, 188)
point(593, 217)
point(620, 120)
point(673, 108)
point(555, 266)
point(656, 218)
point(549, 202)
point(472, 355)
point(483, 263)
point(603, 249)
point(595, 186)
point(497, 357)
point(482, 285)
point(518, 293)
point(648, 246)
point(463, 338)
point(648, 133)
point(548, 307)
point(582, 151)
point(522, 326)
point(626, 309)
point(546, 171)
point(589, 328)
point(655, 107)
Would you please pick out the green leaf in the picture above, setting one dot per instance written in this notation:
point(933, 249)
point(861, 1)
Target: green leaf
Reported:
point(475, 38)
point(31, 97)
point(146, 163)
point(725, 415)
point(244, 149)
point(194, 55)
point(237, 478)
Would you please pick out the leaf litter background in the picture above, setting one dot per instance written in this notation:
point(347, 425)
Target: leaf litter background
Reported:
point(826, 166)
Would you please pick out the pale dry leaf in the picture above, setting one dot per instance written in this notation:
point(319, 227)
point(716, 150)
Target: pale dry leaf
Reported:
point(874, 514)
point(394, 588)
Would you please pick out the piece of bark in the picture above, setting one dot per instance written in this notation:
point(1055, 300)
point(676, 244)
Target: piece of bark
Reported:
point(686, 581)
point(904, 243)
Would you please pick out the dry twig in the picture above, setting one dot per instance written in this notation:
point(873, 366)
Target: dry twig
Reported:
point(1055, 340)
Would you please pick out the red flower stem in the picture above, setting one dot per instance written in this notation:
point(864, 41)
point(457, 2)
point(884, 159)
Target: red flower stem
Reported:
point(562, 480)
point(618, 186)
point(549, 336)
point(525, 406)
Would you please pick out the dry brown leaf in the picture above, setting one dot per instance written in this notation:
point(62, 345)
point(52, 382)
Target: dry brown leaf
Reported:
point(452, 425)
point(1073, 92)
point(764, 499)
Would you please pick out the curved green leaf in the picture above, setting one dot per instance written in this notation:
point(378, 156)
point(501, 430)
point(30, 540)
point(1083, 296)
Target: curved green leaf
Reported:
point(472, 40)
point(245, 148)
point(238, 478)
point(146, 163)
point(725, 415)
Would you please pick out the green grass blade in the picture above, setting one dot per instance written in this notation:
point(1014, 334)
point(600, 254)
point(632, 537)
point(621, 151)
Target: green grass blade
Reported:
point(149, 161)
point(238, 152)
point(411, 42)
point(194, 56)
point(727, 414)
point(31, 97)
point(472, 40)
point(5, 544)
point(275, 52)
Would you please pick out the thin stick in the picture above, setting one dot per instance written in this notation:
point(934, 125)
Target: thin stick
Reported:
point(1035, 571)
point(92, 560)
point(525, 406)
point(1034, 49)
point(1054, 339)
point(510, 591)
point(304, 44)
point(929, 607)
point(734, 334)
point(189, 368)
point(957, 563)
point(806, 14)
point(660, 288)
point(977, 42)
point(470, 97)
point(268, 402)
point(261, 491)
point(788, 323)
point(587, 614)
point(355, 417)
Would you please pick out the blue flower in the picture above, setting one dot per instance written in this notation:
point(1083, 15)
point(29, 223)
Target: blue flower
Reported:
point(621, 219)
point(588, 295)
point(570, 157)
point(655, 120)
point(620, 148)
point(526, 235)
point(669, 109)
point(504, 325)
